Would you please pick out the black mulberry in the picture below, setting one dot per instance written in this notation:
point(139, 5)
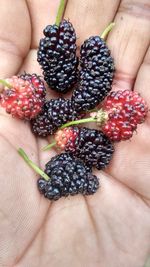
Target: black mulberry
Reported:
point(68, 176)
point(57, 56)
point(96, 74)
point(55, 113)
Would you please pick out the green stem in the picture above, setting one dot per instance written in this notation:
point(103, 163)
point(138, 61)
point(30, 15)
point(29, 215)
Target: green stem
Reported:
point(32, 164)
point(60, 12)
point(100, 117)
point(107, 30)
point(67, 125)
point(3, 82)
point(91, 110)
point(49, 146)
point(78, 122)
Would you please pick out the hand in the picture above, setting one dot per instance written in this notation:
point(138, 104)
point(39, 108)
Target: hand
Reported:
point(111, 228)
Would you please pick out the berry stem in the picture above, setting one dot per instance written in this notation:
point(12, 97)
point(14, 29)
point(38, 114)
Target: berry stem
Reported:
point(100, 116)
point(78, 122)
point(107, 30)
point(3, 82)
point(32, 164)
point(91, 110)
point(49, 146)
point(60, 12)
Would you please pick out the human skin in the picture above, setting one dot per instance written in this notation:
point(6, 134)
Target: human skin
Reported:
point(112, 227)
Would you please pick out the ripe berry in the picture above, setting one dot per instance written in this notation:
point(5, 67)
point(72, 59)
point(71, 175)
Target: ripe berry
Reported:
point(90, 145)
point(123, 111)
point(22, 98)
point(68, 176)
point(57, 56)
point(55, 113)
point(96, 74)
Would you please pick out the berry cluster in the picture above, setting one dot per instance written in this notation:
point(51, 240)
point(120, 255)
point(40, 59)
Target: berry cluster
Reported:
point(24, 96)
point(68, 176)
point(57, 56)
point(125, 110)
point(55, 113)
point(96, 75)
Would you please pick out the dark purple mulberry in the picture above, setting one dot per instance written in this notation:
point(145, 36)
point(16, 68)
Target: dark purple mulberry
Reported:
point(55, 113)
point(57, 56)
point(68, 176)
point(96, 74)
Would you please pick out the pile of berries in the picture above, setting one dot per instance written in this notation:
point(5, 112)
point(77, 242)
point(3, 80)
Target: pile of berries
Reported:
point(24, 97)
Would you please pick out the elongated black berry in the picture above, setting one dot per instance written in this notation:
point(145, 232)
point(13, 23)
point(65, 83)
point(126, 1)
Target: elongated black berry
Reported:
point(68, 176)
point(57, 56)
point(96, 74)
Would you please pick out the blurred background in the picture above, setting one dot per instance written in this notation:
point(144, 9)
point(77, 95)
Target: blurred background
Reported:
point(148, 263)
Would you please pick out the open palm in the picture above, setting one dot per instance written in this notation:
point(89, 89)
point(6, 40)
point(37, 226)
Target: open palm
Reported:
point(111, 228)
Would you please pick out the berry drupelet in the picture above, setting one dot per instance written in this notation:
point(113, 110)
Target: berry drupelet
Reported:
point(96, 74)
point(90, 145)
point(55, 113)
point(68, 176)
point(57, 56)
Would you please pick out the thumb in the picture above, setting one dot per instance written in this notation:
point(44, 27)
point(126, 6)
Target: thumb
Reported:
point(15, 35)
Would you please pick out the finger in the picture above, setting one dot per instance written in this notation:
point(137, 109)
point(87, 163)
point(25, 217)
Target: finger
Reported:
point(42, 13)
point(14, 35)
point(129, 40)
point(142, 84)
point(90, 17)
